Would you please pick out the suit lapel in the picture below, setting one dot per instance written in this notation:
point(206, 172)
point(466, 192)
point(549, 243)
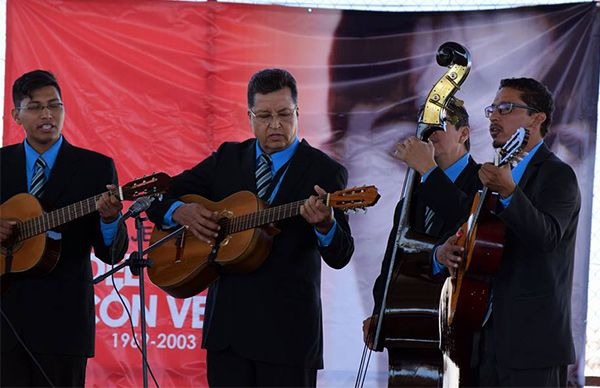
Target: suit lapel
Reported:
point(249, 163)
point(61, 176)
point(541, 154)
point(293, 178)
point(466, 173)
point(20, 170)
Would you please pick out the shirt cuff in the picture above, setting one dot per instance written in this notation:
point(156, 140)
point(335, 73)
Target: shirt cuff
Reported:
point(168, 222)
point(109, 230)
point(436, 266)
point(505, 201)
point(325, 239)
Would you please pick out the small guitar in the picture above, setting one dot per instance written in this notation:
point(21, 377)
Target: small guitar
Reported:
point(184, 266)
point(465, 297)
point(28, 251)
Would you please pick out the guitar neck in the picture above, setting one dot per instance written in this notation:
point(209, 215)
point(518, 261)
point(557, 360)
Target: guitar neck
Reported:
point(264, 217)
point(56, 218)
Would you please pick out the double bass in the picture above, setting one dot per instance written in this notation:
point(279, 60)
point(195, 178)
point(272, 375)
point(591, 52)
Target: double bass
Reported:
point(407, 324)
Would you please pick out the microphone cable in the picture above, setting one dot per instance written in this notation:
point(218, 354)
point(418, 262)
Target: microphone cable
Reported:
point(118, 241)
point(20, 340)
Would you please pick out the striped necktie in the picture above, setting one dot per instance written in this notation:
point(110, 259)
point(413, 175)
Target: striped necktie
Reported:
point(428, 222)
point(39, 178)
point(263, 175)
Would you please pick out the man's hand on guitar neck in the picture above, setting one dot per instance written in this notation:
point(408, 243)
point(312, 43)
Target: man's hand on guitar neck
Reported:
point(449, 254)
point(316, 213)
point(498, 179)
point(198, 220)
point(109, 205)
point(6, 229)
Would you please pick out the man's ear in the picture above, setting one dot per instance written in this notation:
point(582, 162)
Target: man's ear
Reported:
point(15, 115)
point(465, 132)
point(540, 118)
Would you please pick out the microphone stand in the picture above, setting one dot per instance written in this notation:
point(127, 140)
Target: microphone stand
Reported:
point(136, 264)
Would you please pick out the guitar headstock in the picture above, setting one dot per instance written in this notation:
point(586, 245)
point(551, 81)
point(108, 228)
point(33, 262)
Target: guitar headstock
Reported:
point(354, 198)
point(513, 151)
point(147, 185)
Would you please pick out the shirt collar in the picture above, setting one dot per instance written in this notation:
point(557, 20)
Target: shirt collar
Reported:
point(454, 170)
point(519, 169)
point(50, 155)
point(280, 158)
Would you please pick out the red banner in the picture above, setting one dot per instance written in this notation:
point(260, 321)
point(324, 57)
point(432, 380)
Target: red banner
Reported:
point(158, 85)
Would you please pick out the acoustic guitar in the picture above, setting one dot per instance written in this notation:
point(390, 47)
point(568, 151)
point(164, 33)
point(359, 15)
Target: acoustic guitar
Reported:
point(185, 266)
point(465, 297)
point(29, 251)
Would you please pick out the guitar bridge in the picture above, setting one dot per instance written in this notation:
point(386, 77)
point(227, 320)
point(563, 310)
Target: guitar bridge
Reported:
point(180, 244)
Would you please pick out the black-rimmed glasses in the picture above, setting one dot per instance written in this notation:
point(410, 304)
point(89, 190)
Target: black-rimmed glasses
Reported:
point(505, 108)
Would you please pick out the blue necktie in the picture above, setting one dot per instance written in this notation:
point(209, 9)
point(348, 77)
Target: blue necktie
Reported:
point(39, 178)
point(263, 176)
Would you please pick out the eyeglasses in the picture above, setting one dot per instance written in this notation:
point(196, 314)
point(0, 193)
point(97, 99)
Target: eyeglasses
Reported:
point(284, 116)
point(505, 108)
point(53, 107)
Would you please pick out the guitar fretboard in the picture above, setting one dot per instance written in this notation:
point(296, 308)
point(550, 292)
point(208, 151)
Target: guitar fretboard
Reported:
point(262, 217)
point(53, 219)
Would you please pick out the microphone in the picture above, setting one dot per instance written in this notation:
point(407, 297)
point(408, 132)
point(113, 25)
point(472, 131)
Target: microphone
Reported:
point(140, 205)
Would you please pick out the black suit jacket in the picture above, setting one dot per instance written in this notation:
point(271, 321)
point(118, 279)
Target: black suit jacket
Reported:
point(532, 290)
point(54, 314)
point(274, 313)
point(451, 203)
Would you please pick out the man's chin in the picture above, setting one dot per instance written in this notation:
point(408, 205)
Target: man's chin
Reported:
point(277, 146)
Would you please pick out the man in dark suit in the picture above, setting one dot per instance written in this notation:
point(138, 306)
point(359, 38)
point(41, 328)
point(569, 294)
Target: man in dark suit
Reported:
point(526, 337)
point(48, 323)
point(264, 328)
point(443, 197)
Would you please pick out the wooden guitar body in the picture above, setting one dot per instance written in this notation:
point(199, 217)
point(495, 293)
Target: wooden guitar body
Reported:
point(465, 298)
point(180, 266)
point(28, 251)
point(484, 254)
point(37, 255)
point(467, 295)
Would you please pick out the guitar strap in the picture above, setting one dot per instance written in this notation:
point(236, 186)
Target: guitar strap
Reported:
point(277, 178)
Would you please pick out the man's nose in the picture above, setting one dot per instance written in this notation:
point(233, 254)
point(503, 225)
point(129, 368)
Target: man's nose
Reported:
point(275, 121)
point(46, 112)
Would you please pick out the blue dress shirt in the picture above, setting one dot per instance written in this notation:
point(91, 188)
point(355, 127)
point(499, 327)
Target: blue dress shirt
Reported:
point(31, 155)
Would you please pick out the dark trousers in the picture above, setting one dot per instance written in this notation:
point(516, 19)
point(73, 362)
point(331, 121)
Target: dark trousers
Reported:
point(493, 375)
point(18, 369)
point(226, 368)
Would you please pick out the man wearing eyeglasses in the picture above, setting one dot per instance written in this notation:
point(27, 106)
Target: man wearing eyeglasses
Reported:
point(264, 328)
point(47, 323)
point(526, 336)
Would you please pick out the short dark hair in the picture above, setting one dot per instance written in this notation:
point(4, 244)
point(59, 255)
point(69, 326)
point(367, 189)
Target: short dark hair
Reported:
point(271, 80)
point(462, 118)
point(28, 82)
point(535, 95)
